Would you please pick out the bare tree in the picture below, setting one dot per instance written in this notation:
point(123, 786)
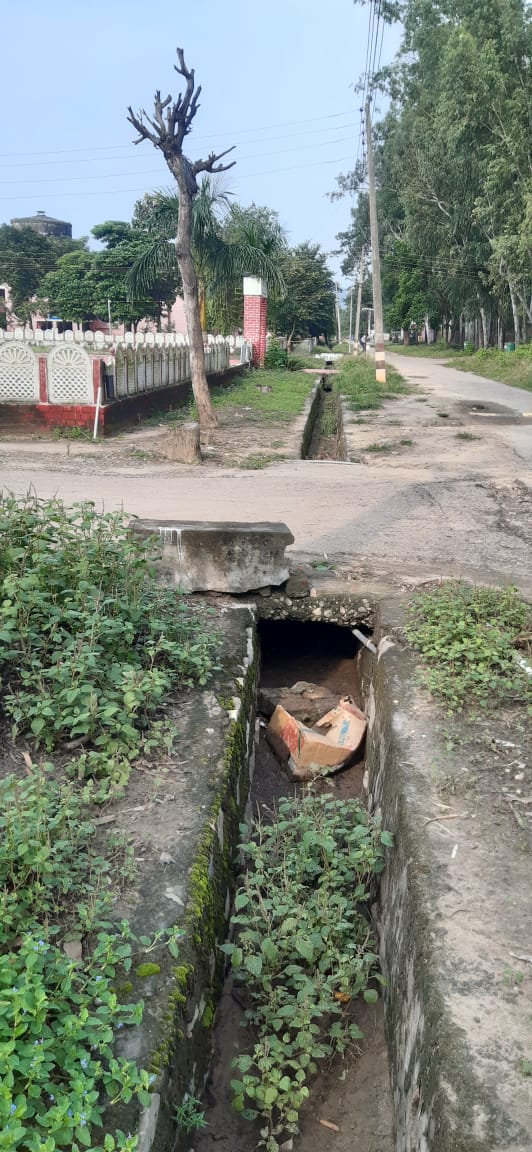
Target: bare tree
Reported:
point(167, 128)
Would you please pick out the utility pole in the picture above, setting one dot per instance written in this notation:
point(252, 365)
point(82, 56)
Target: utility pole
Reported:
point(351, 318)
point(359, 299)
point(338, 324)
point(380, 362)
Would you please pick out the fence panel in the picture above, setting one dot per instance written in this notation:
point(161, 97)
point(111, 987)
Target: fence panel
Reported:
point(19, 374)
point(69, 375)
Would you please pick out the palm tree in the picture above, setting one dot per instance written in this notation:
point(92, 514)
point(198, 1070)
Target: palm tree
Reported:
point(220, 262)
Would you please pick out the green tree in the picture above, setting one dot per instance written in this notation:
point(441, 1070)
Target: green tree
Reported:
point(25, 258)
point(227, 243)
point(69, 290)
point(454, 164)
point(124, 245)
point(307, 306)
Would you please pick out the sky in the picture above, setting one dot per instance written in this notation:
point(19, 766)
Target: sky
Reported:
point(277, 81)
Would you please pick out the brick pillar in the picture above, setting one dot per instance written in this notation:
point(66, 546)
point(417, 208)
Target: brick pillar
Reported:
point(255, 309)
point(43, 381)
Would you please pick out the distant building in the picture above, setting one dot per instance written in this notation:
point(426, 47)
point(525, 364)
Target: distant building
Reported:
point(45, 225)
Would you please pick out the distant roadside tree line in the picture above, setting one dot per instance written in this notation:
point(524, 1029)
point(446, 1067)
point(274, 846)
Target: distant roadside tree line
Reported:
point(453, 158)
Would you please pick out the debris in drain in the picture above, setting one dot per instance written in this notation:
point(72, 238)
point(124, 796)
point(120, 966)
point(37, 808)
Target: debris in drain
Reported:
point(306, 702)
point(328, 746)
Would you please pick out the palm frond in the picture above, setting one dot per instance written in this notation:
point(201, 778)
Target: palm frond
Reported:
point(157, 259)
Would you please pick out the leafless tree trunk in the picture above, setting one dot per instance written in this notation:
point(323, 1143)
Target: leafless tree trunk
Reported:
point(167, 128)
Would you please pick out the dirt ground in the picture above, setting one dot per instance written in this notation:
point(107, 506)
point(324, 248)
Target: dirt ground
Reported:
point(443, 505)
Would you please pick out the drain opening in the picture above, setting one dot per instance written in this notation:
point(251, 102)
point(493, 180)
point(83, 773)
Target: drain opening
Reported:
point(351, 1094)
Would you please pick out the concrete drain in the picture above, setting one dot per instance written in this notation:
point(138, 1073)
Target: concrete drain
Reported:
point(327, 655)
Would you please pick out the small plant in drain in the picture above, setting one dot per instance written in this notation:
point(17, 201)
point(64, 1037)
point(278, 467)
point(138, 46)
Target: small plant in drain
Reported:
point(303, 951)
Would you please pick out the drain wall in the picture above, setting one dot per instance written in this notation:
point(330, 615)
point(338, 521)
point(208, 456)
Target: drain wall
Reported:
point(440, 1103)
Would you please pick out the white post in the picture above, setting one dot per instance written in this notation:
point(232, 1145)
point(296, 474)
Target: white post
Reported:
point(97, 413)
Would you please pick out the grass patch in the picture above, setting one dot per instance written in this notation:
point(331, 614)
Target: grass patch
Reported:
point(470, 640)
point(356, 382)
point(383, 446)
point(284, 400)
point(466, 436)
point(258, 460)
point(513, 368)
point(439, 351)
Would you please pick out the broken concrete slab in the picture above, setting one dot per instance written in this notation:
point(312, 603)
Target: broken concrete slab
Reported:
point(202, 556)
point(305, 702)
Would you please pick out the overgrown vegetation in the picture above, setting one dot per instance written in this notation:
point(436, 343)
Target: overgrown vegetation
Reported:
point(89, 645)
point(514, 368)
point(470, 640)
point(303, 949)
point(356, 381)
point(59, 1008)
point(88, 649)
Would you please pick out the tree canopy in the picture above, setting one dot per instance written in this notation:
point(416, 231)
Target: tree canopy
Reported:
point(25, 258)
point(307, 307)
point(453, 159)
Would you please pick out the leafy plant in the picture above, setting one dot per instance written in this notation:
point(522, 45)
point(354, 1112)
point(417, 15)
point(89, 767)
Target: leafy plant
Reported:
point(56, 1031)
point(47, 864)
point(276, 356)
point(89, 645)
point(467, 638)
point(303, 948)
point(189, 1117)
point(58, 1014)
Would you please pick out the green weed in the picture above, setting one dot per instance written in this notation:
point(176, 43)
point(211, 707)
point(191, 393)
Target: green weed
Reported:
point(466, 436)
point(89, 644)
point(514, 368)
point(356, 381)
point(382, 446)
point(304, 949)
point(72, 433)
point(59, 1015)
point(189, 1116)
point(258, 460)
point(467, 638)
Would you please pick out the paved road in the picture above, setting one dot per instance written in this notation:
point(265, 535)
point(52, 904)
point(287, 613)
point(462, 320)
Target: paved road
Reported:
point(442, 505)
point(466, 386)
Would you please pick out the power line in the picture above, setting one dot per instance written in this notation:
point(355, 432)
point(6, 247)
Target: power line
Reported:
point(105, 159)
point(210, 136)
point(156, 171)
point(242, 176)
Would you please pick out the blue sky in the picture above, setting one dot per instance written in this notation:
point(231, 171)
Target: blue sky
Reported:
point(277, 81)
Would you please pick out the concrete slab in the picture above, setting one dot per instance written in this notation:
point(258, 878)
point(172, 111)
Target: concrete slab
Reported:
point(201, 556)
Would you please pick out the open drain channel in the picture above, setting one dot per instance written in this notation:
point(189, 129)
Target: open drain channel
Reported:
point(325, 439)
point(351, 1095)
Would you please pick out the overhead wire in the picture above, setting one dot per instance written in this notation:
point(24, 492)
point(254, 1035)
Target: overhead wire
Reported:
point(238, 175)
point(155, 171)
point(210, 136)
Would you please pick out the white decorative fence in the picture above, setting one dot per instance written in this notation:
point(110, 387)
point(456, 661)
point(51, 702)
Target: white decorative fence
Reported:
point(69, 363)
point(69, 375)
point(19, 374)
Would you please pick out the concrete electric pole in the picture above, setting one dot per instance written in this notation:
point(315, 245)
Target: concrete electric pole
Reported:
point(359, 301)
point(380, 362)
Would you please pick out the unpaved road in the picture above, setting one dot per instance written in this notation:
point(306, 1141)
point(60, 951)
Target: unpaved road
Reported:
point(438, 503)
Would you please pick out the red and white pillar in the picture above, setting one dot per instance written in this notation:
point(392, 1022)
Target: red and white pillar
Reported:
point(255, 310)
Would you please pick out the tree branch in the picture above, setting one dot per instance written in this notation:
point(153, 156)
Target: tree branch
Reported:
point(208, 165)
